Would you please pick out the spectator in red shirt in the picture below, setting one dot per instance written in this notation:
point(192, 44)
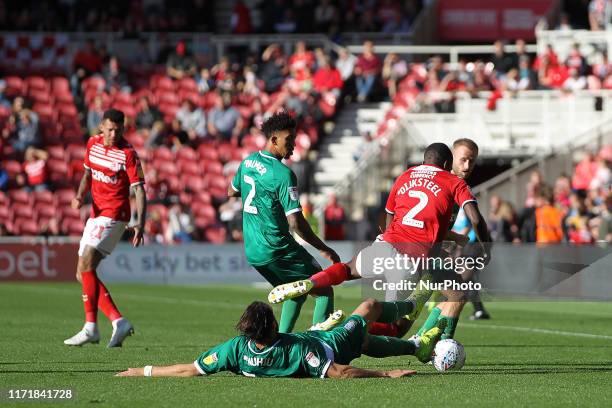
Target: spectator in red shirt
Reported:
point(366, 71)
point(241, 19)
point(328, 79)
point(302, 59)
point(334, 220)
point(584, 173)
point(88, 59)
point(35, 168)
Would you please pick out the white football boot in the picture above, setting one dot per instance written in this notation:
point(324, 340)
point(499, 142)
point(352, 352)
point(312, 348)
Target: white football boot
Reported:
point(121, 329)
point(83, 337)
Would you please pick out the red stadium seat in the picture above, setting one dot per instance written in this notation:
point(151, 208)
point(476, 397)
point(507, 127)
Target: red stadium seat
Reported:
point(43, 197)
point(42, 97)
point(45, 210)
point(70, 213)
point(21, 210)
point(14, 86)
point(192, 183)
point(73, 227)
point(202, 197)
point(75, 152)
point(5, 213)
point(60, 84)
point(95, 82)
point(4, 200)
point(163, 83)
point(56, 152)
point(163, 153)
point(67, 110)
point(186, 198)
point(203, 222)
point(188, 84)
point(190, 167)
point(200, 209)
point(25, 226)
point(210, 100)
point(208, 152)
point(225, 152)
point(213, 167)
point(216, 234)
point(63, 97)
point(159, 208)
point(37, 83)
point(186, 153)
point(45, 111)
point(64, 196)
point(166, 168)
point(12, 167)
point(20, 197)
point(167, 98)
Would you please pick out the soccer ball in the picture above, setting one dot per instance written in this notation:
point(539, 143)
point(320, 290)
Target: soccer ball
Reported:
point(448, 355)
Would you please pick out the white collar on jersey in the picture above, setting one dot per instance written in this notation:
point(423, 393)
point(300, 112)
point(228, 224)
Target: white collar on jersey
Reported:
point(253, 349)
point(267, 155)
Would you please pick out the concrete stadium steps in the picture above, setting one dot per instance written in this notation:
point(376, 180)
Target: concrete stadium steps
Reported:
point(336, 151)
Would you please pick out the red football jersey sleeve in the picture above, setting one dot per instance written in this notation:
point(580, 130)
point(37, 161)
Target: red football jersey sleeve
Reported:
point(421, 201)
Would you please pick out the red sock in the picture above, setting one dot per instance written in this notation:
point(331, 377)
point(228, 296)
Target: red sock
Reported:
point(334, 275)
point(383, 329)
point(106, 304)
point(89, 282)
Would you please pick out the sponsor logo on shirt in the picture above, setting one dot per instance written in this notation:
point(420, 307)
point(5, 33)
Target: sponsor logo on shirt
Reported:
point(312, 360)
point(293, 193)
point(100, 176)
point(208, 360)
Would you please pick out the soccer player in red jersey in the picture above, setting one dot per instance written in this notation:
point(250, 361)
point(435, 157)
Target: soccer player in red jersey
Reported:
point(420, 207)
point(112, 167)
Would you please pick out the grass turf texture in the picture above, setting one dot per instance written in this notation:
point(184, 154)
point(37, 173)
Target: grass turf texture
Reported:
point(507, 365)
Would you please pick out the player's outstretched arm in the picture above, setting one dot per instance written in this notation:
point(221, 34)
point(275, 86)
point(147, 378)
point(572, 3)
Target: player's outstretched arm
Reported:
point(77, 201)
point(177, 370)
point(141, 214)
point(347, 371)
point(298, 223)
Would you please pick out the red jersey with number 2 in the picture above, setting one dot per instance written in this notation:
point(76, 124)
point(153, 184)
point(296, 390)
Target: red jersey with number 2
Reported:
point(113, 171)
point(421, 201)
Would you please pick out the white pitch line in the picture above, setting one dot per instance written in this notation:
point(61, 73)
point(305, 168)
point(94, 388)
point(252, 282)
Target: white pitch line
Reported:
point(535, 330)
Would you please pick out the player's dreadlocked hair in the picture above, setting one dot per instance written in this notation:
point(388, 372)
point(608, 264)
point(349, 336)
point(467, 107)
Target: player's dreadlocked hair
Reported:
point(258, 323)
point(277, 122)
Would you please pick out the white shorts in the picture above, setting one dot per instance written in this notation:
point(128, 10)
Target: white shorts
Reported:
point(102, 233)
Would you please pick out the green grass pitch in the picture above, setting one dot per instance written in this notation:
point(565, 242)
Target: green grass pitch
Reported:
point(508, 362)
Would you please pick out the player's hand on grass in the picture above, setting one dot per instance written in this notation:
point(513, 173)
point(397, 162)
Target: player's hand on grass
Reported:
point(138, 235)
point(131, 372)
point(76, 203)
point(330, 255)
point(400, 373)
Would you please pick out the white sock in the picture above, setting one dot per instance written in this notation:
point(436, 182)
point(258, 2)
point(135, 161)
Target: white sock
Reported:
point(90, 326)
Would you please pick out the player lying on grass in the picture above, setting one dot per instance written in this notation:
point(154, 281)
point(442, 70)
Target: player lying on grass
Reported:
point(261, 351)
point(419, 208)
point(271, 208)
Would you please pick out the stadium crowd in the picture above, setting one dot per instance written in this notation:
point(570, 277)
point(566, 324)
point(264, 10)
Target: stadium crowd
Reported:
point(278, 16)
point(192, 124)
